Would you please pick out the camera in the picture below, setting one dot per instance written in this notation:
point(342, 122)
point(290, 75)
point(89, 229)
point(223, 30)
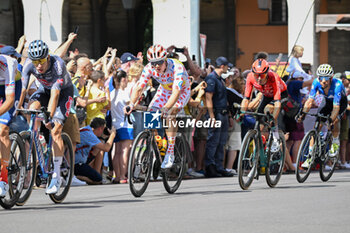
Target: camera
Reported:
point(179, 50)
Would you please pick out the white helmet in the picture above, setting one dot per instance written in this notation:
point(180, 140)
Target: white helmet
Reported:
point(156, 53)
point(325, 70)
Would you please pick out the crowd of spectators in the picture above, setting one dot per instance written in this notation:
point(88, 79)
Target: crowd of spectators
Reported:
point(102, 137)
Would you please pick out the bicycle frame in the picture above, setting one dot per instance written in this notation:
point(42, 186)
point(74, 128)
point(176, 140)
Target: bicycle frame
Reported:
point(44, 158)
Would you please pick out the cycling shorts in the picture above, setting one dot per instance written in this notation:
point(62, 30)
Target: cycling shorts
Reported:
point(326, 106)
point(7, 117)
point(64, 102)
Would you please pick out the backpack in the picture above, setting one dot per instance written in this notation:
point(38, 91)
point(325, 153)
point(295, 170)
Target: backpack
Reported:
point(291, 107)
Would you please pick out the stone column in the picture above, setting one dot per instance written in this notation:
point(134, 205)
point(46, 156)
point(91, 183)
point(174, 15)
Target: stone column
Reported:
point(297, 12)
point(43, 20)
point(176, 22)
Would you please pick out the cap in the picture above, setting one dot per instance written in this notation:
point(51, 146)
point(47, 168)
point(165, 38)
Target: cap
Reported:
point(9, 50)
point(226, 75)
point(221, 61)
point(347, 74)
point(126, 57)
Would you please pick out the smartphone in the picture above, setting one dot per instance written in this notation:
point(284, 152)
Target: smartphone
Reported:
point(76, 29)
point(179, 50)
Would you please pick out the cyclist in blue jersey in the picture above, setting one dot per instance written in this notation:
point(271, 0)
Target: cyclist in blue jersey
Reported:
point(55, 92)
point(10, 91)
point(334, 101)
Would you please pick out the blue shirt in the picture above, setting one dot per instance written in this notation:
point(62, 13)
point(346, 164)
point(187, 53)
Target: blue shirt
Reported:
point(87, 140)
point(216, 85)
point(335, 92)
point(293, 88)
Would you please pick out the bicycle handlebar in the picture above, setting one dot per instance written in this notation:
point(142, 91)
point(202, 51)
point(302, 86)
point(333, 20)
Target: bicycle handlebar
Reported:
point(46, 114)
point(268, 115)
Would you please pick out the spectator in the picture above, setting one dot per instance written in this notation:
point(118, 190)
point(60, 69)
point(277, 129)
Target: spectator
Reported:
point(84, 70)
point(216, 100)
point(97, 109)
point(120, 97)
point(295, 129)
point(235, 90)
point(128, 60)
point(88, 156)
point(344, 126)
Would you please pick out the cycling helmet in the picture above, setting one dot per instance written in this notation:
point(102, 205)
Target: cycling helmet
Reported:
point(37, 50)
point(156, 53)
point(325, 70)
point(260, 66)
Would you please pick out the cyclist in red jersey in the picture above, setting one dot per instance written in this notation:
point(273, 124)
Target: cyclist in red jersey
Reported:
point(268, 83)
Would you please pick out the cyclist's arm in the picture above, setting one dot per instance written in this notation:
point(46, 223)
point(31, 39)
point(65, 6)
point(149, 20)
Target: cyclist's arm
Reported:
point(9, 85)
point(55, 95)
point(255, 102)
point(8, 104)
point(277, 109)
point(173, 98)
point(308, 104)
point(244, 104)
point(335, 112)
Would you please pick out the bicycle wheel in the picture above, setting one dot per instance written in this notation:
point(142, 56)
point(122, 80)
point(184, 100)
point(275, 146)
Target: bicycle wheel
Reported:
point(327, 163)
point(67, 170)
point(140, 164)
point(16, 171)
point(248, 159)
point(30, 169)
point(172, 177)
point(306, 156)
point(275, 160)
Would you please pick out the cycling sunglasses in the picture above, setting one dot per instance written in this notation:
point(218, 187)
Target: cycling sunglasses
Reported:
point(155, 63)
point(40, 61)
point(321, 78)
point(262, 76)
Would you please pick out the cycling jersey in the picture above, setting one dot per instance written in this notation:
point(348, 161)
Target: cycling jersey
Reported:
point(272, 88)
point(8, 72)
point(175, 76)
point(9, 85)
point(335, 92)
point(56, 77)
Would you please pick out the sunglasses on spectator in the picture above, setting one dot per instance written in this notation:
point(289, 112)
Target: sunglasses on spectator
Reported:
point(40, 61)
point(155, 63)
point(325, 78)
point(262, 76)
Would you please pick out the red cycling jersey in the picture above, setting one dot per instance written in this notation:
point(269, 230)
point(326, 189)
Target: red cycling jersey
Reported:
point(272, 88)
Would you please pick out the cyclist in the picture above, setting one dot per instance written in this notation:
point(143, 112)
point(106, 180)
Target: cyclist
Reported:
point(55, 92)
point(172, 95)
point(272, 87)
point(334, 102)
point(10, 91)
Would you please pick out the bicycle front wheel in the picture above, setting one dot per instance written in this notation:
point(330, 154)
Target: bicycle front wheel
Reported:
point(16, 172)
point(248, 159)
point(172, 177)
point(140, 164)
point(67, 170)
point(327, 162)
point(30, 169)
point(306, 156)
point(275, 160)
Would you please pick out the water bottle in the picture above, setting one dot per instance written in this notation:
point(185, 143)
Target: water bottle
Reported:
point(43, 143)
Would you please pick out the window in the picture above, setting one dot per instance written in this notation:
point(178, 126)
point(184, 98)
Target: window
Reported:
point(278, 12)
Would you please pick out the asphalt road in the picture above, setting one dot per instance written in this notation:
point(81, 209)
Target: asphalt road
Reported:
point(200, 205)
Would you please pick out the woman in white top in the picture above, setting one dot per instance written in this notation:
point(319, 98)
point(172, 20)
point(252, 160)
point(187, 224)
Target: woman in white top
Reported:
point(120, 97)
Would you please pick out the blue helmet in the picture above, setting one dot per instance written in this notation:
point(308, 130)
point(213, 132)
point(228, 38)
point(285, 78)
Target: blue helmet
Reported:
point(37, 50)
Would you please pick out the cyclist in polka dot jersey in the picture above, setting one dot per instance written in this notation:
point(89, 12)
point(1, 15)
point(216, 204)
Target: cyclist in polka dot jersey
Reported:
point(172, 95)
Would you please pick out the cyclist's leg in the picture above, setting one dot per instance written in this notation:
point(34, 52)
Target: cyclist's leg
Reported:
point(5, 143)
point(62, 112)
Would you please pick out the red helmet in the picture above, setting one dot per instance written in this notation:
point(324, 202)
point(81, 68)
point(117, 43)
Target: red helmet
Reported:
point(260, 66)
point(156, 53)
